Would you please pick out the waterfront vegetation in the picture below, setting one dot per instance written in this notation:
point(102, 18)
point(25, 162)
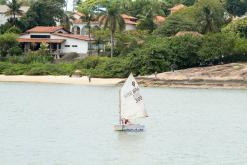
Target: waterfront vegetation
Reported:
point(208, 36)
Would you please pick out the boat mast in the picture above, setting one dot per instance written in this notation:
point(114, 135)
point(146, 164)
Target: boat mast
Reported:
point(119, 102)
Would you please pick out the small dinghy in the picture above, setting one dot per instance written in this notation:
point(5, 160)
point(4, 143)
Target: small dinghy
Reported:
point(131, 106)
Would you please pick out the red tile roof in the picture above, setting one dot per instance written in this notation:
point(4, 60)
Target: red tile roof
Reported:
point(129, 22)
point(45, 29)
point(159, 19)
point(40, 40)
point(125, 16)
point(75, 36)
point(177, 8)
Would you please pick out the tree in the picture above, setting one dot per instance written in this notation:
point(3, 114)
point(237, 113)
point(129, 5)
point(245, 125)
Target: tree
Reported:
point(145, 11)
point(182, 51)
point(238, 27)
point(88, 16)
point(207, 22)
point(14, 10)
point(2, 2)
point(67, 20)
point(7, 43)
point(216, 46)
point(113, 20)
point(176, 23)
point(209, 14)
point(236, 7)
point(44, 13)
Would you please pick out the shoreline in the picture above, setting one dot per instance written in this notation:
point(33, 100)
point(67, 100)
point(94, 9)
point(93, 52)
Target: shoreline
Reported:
point(61, 80)
point(143, 81)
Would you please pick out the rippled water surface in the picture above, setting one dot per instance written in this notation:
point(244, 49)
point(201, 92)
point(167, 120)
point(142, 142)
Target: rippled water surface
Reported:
point(47, 124)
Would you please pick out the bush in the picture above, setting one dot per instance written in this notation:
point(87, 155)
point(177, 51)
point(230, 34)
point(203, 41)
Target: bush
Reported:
point(15, 51)
point(216, 46)
point(29, 58)
point(17, 69)
point(3, 66)
point(238, 27)
point(113, 67)
point(36, 69)
point(13, 29)
point(103, 67)
point(91, 62)
point(7, 42)
point(50, 69)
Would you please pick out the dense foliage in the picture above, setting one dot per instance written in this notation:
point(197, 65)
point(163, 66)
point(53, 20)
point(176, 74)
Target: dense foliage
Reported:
point(238, 26)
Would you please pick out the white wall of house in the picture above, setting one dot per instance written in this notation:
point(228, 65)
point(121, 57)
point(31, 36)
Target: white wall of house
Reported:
point(77, 46)
point(72, 45)
point(130, 27)
point(3, 19)
point(25, 36)
point(82, 28)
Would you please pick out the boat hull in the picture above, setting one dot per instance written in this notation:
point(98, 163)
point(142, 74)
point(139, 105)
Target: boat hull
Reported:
point(129, 127)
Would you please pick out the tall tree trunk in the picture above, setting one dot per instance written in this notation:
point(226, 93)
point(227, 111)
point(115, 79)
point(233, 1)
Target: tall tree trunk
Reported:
point(112, 43)
point(89, 35)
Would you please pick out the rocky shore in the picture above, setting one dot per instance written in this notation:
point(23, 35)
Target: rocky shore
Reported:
point(230, 76)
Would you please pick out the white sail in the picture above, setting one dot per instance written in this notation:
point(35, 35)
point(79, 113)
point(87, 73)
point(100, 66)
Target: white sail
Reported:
point(132, 105)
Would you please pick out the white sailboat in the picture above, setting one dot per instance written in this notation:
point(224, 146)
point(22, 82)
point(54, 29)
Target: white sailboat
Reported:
point(131, 106)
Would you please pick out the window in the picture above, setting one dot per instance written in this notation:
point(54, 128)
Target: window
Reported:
point(74, 46)
point(67, 46)
point(40, 36)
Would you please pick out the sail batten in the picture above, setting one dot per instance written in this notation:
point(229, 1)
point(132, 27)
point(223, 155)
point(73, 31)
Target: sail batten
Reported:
point(132, 104)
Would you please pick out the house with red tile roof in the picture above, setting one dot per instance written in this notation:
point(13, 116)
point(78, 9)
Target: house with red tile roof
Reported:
point(59, 41)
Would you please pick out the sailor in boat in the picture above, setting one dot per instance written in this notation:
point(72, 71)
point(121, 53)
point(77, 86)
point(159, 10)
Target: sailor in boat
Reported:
point(125, 121)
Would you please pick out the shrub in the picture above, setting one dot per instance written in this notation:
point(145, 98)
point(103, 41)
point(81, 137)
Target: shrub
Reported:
point(50, 69)
point(17, 69)
point(15, 51)
point(29, 59)
point(215, 46)
point(3, 66)
point(7, 41)
point(91, 62)
point(238, 27)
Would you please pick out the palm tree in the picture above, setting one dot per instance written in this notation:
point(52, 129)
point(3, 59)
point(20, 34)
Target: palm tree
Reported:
point(208, 21)
point(14, 10)
point(67, 20)
point(88, 17)
point(113, 20)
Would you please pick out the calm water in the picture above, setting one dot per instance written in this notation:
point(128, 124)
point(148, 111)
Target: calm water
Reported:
point(45, 124)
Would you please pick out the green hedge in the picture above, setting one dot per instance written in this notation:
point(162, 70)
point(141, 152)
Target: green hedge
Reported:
point(36, 69)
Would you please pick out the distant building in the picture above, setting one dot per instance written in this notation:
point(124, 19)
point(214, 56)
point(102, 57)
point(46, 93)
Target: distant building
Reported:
point(130, 22)
point(59, 40)
point(80, 27)
point(177, 8)
point(70, 5)
point(4, 9)
point(158, 20)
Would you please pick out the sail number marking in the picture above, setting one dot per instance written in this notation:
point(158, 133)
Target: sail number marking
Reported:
point(135, 93)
